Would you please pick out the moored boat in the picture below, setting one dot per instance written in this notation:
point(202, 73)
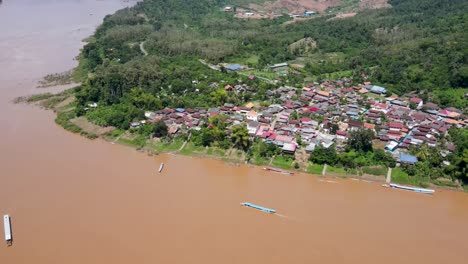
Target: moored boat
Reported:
point(7, 228)
point(278, 171)
point(414, 189)
point(258, 207)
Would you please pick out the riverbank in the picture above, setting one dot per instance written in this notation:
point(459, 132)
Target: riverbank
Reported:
point(63, 104)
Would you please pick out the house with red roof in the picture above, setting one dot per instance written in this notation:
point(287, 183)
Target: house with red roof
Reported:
point(417, 101)
point(380, 107)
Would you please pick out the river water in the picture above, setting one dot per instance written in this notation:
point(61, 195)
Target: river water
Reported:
point(73, 200)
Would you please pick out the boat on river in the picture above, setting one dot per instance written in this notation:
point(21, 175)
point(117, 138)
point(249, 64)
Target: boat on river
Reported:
point(161, 167)
point(258, 207)
point(409, 188)
point(7, 228)
point(278, 171)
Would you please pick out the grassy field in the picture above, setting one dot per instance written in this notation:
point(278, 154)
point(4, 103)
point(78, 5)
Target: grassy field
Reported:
point(399, 176)
point(335, 170)
point(315, 169)
point(262, 73)
point(375, 170)
point(283, 162)
point(257, 160)
point(166, 146)
point(315, 58)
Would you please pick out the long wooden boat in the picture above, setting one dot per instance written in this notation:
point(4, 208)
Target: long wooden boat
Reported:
point(278, 171)
point(161, 167)
point(7, 228)
point(258, 207)
point(414, 189)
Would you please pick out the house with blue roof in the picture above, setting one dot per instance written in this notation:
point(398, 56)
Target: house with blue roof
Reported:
point(234, 67)
point(378, 89)
point(407, 158)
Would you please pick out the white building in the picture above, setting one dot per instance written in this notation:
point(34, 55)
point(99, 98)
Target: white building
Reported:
point(252, 115)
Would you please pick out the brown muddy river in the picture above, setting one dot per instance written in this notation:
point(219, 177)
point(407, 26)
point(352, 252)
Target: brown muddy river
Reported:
point(73, 200)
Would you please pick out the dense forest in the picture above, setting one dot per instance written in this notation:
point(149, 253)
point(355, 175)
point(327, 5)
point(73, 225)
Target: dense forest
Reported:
point(417, 45)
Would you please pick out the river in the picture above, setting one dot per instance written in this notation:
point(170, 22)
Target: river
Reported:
point(74, 200)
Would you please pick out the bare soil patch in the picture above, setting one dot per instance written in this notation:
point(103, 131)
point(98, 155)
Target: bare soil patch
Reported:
point(300, 6)
point(65, 102)
point(295, 6)
point(343, 15)
point(91, 128)
point(373, 4)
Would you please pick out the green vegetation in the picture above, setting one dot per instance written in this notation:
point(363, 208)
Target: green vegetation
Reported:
point(283, 162)
point(399, 176)
point(63, 119)
point(160, 129)
point(315, 169)
point(34, 98)
point(360, 140)
point(375, 170)
point(336, 170)
point(56, 79)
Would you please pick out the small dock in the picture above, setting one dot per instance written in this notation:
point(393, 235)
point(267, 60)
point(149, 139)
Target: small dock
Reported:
point(7, 228)
point(258, 207)
point(388, 180)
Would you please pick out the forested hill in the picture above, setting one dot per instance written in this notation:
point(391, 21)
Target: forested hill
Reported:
point(417, 45)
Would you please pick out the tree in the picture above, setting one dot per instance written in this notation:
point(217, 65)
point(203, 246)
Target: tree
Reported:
point(206, 138)
point(322, 155)
point(240, 137)
point(361, 140)
point(385, 158)
point(160, 129)
point(333, 128)
point(422, 152)
point(263, 149)
point(143, 100)
point(294, 116)
point(299, 140)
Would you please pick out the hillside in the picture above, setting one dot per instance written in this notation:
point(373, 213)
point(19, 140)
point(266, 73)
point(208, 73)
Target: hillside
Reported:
point(417, 45)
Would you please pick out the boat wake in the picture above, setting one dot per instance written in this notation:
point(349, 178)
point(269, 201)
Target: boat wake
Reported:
point(283, 216)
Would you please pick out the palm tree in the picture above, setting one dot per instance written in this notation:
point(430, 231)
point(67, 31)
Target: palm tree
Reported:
point(423, 152)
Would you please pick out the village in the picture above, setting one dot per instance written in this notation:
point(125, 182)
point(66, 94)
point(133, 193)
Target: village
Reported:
point(323, 114)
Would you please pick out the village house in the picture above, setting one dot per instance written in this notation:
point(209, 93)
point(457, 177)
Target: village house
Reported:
point(376, 89)
point(252, 115)
point(289, 148)
point(417, 101)
point(252, 127)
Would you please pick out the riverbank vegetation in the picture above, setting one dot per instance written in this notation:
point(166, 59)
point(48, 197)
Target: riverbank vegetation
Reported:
point(56, 79)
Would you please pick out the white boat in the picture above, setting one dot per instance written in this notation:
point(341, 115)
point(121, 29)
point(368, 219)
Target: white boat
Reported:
point(161, 167)
point(414, 189)
point(258, 207)
point(7, 228)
